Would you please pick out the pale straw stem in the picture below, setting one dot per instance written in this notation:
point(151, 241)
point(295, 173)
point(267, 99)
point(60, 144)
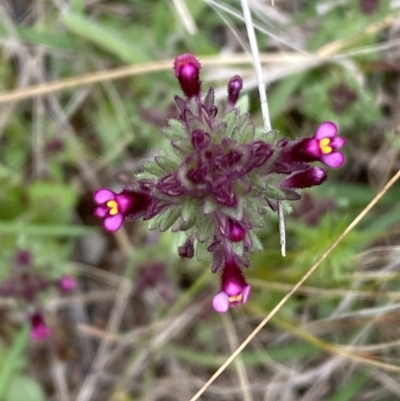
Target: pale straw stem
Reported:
point(264, 103)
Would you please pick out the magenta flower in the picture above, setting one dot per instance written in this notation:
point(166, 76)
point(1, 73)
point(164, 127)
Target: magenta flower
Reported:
point(67, 283)
point(39, 329)
point(234, 288)
point(324, 145)
point(114, 208)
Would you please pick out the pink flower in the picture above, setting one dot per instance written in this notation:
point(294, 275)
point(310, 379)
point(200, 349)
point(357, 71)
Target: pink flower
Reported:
point(67, 283)
point(39, 329)
point(113, 208)
point(234, 288)
point(324, 145)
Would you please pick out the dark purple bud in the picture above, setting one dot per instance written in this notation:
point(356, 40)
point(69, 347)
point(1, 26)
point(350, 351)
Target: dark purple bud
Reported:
point(154, 275)
point(342, 97)
point(187, 249)
point(368, 6)
point(234, 87)
point(236, 232)
point(187, 69)
point(22, 258)
point(305, 179)
point(200, 139)
point(54, 146)
point(39, 329)
point(217, 250)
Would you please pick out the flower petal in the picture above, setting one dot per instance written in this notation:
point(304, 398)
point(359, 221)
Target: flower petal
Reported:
point(337, 142)
point(246, 293)
point(221, 302)
point(113, 223)
point(103, 195)
point(334, 159)
point(101, 211)
point(311, 148)
point(326, 130)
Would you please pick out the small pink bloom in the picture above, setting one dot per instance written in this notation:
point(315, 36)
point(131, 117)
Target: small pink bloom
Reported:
point(67, 283)
point(324, 145)
point(113, 208)
point(39, 329)
point(234, 288)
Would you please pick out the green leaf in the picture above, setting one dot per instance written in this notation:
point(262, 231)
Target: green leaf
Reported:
point(175, 130)
point(108, 39)
point(170, 217)
point(52, 202)
point(230, 119)
point(189, 209)
point(167, 161)
point(25, 388)
point(10, 365)
point(151, 167)
point(154, 223)
point(31, 35)
point(257, 244)
point(350, 390)
point(243, 104)
point(206, 228)
point(44, 229)
point(209, 206)
point(201, 251)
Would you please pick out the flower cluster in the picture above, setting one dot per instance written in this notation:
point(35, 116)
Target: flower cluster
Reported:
point(217, 179)
point(25, 285)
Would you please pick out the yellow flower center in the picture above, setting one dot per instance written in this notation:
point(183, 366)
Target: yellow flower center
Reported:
point(324, 146)
point(236, 298)
point(113, 207)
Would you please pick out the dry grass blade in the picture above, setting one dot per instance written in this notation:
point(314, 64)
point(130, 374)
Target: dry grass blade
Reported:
point(146, 68)
point(240, 366)
point(312, 269)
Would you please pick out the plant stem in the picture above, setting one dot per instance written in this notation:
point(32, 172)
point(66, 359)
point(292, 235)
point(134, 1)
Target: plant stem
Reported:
point(264, 103)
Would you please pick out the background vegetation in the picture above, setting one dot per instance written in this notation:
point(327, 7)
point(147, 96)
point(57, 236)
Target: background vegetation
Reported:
point(141, 326)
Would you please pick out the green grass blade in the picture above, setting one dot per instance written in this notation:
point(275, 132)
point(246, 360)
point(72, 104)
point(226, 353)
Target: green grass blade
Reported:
point(13, 359)
point(350, 390)
point(107, 39)
point(44, 230)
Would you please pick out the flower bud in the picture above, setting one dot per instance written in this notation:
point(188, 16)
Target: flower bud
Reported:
point(187, 69)
point(234, 87)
